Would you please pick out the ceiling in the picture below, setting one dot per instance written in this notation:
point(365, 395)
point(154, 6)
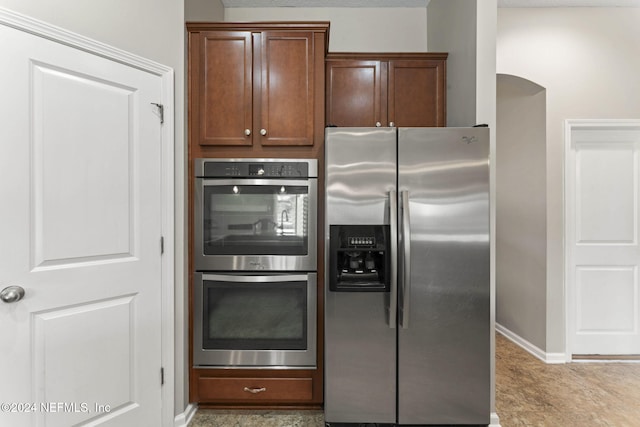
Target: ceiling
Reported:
point(424, 3)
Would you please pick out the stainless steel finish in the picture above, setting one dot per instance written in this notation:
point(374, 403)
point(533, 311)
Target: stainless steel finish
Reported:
point(257, 262)
point(392, 124)
point(361, 171)
point(446, 348)
point(255, 390)
point(247, 132)
point(405, 280)
point(248, 181)
point(239, 278)
point(263, 132)
point(255, 359)
point(12, 294)
point(393, 235)
point(359, 344)
point(436, 366)
point(378, 124)
point(312, 164)
point(306, 262)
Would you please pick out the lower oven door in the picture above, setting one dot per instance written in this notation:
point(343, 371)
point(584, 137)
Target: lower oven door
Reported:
point(245, 320)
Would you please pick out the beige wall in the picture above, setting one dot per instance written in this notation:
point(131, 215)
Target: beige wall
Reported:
point(203, 10)
point(353, 30)
point(587, 59)
point(521, 244)
point(452, 28)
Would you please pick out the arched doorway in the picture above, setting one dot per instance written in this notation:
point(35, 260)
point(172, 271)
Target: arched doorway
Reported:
point(521, 205)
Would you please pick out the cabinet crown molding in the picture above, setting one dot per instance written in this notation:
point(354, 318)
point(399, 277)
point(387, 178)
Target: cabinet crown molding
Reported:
point(322, 26)
point(386, 56)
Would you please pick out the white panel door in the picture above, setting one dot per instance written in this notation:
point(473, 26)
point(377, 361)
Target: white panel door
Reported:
point(603, 239)
point(80, 227)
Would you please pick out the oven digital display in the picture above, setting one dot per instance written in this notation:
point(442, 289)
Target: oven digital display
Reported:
point(256, 169)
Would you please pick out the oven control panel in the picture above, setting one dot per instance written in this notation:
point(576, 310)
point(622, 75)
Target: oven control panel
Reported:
point(256, 169)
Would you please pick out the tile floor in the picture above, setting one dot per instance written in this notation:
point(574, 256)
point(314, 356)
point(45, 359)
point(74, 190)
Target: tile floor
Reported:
point(242, 418)
point(529, 393)
point(532, 393)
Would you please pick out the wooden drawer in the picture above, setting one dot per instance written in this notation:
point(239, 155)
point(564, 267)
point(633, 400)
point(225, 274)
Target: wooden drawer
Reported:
point(255, 389)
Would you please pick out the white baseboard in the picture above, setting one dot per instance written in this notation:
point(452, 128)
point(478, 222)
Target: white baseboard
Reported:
point(495, 420)
point(183, 419)
point(549, 358)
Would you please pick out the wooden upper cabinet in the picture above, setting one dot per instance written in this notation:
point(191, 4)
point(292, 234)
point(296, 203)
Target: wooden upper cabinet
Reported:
point(256, 85)
point(371, 89)
point(287, 89)
point(416, 94)
point(356, 95)
point(225, 83)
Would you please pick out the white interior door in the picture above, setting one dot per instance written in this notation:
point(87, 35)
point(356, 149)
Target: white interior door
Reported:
point(80, 227)
point(603, 247)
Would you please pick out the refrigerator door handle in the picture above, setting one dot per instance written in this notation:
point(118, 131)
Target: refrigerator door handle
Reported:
point(393, 291)
point(406, 259)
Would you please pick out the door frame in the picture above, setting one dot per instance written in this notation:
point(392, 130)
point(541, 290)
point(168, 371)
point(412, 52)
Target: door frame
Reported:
point(571, 125)
point(47, 31)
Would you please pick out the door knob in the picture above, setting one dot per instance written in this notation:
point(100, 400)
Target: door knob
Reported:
point(263, 132)
point(247, 132)
point(12, 294)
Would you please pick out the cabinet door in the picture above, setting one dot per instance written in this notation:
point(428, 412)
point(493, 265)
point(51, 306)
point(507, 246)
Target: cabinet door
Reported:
point(287, 88)
point(225, 88)
point(356, 93)
point(416, 93)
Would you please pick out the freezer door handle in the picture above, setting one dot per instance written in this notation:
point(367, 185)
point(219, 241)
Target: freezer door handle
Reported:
point(393, 291)
point(405, 238)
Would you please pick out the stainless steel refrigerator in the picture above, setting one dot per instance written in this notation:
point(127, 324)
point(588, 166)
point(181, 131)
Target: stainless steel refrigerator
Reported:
point(407, 326)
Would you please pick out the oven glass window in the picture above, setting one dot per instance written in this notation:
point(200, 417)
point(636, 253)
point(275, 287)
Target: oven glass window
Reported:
point(260, 316)
point(255, 220)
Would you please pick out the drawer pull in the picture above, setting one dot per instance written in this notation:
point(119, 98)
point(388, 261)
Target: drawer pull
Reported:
point(255, 390)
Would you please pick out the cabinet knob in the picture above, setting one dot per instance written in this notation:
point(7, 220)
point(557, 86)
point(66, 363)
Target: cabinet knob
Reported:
point(247, 132)
point(392, 124)
point(378, 124)
point(263, 132)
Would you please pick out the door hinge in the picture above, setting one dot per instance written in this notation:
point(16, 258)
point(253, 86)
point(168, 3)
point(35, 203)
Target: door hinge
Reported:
point(161, 245)
point(161, 376)
point(160, 110)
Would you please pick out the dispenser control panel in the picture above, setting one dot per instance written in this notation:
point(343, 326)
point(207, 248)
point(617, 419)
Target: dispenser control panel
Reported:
point(362, 241)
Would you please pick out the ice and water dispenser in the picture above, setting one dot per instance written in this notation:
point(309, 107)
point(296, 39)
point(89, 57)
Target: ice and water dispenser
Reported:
point(359, 258)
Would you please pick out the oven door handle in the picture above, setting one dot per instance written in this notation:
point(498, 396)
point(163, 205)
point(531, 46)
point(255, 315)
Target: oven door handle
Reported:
point(256, 279)
point(255, 182)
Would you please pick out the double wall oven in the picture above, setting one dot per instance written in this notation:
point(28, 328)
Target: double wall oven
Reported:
point(255, 284)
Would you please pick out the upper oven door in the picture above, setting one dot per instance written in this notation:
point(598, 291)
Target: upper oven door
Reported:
point(255, 224)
